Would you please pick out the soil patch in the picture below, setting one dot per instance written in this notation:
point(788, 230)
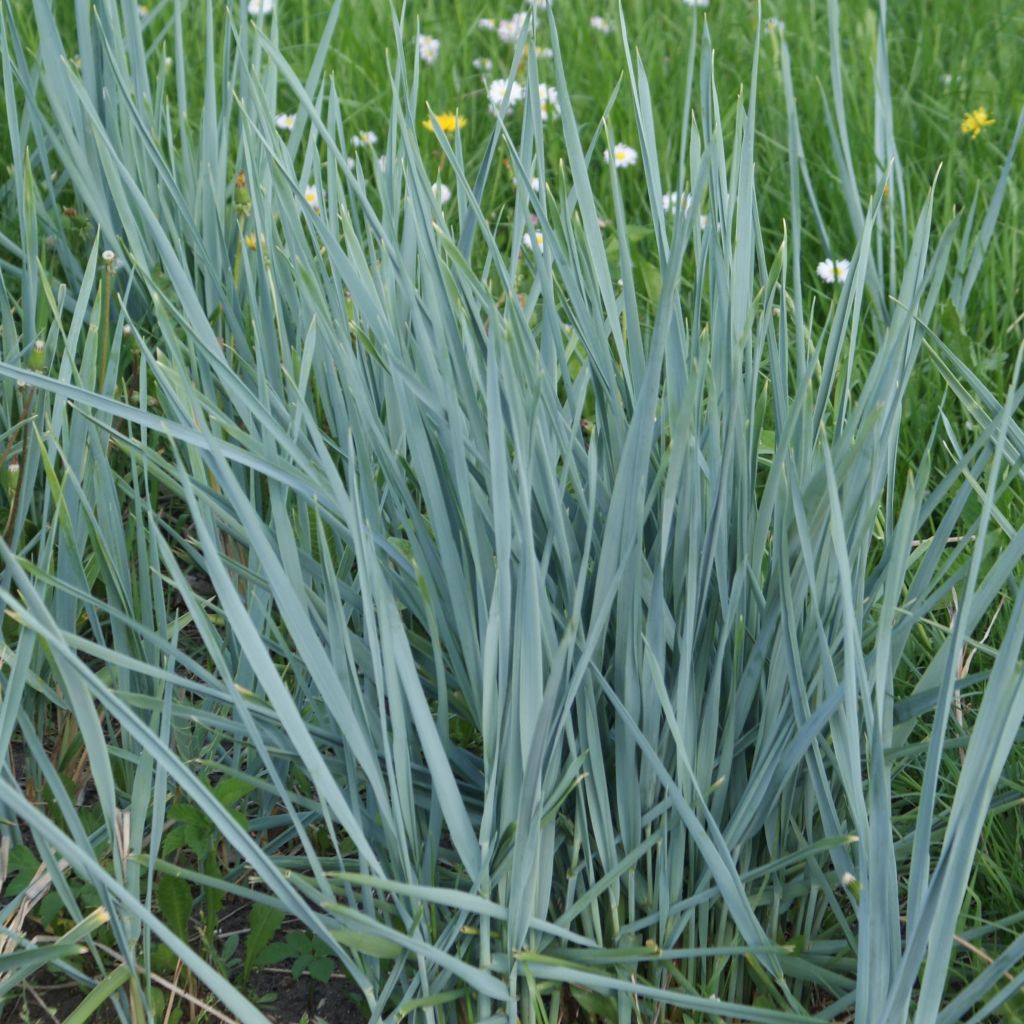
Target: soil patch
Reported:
point(337, 1001)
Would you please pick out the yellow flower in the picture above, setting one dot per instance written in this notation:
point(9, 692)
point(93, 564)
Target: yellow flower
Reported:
point(975, 121)
point(447, 122)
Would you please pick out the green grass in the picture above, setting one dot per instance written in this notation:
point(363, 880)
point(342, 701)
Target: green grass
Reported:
point(629, 627)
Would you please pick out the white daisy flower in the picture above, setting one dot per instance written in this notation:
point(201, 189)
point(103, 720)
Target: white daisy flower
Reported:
point(535, 184)
point(502, 88)
point(676, 202)
point(672, 202)
point(599, 24)
point(548, 97)
point(483, 64)
point(833, 271)
point(441, 191)
point(621, 155)
point(286, 122)
point(364, 139)
point(257, 8)
point(543, 52)
point(534, 240)
point(312, 196)
point(509, 28)
point(428, 48)
point(487, 24)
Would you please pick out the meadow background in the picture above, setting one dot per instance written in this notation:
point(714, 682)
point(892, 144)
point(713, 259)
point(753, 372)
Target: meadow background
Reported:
point(495, 602)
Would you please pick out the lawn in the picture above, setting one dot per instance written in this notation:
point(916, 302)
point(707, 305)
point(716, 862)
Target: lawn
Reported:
point(511, 516)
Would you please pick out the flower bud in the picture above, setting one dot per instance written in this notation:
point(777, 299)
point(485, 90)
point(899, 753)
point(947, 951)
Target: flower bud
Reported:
point(9, 478)
point(37, 357)
point(243, 201)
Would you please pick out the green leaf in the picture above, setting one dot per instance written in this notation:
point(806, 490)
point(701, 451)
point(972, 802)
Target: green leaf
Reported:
point(320, 969)
point(600, 1007)
point(174, 896)
point(264, 923)
point(274, 953)
point(22, 865)
point(371, 945)
point(301, 963)
point(98, 995)
point(229, 791)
